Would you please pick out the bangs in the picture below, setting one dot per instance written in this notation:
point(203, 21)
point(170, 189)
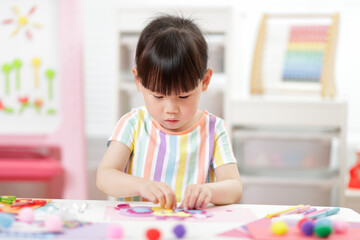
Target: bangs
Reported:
point(172, 62)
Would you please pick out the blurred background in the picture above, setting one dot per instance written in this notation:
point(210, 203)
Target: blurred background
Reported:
point(286, 81)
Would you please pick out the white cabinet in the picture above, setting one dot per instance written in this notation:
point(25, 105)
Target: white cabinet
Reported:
point(288, 120)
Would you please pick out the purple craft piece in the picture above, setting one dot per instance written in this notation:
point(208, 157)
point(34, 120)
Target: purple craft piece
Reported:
point(129, 212)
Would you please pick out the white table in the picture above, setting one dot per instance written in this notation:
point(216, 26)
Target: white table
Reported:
point(135, 229)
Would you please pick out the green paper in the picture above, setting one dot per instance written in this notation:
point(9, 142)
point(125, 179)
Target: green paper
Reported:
point(50, 75)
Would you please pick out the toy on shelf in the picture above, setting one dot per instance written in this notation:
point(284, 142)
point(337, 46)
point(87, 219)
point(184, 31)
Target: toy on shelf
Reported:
point(354, 181)
point(295, 53)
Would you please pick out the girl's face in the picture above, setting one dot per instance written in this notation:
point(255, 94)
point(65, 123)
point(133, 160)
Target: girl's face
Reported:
point(175, 113)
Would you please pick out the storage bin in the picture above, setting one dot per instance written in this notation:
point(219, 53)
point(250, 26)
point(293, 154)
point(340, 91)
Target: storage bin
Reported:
point(284, 155)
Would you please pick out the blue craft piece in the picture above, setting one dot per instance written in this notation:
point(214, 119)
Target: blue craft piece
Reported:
point(141, 209)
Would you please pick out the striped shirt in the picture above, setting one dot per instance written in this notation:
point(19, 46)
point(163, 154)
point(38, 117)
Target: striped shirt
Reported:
point(178, 159)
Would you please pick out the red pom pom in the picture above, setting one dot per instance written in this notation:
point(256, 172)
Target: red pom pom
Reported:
point(153, 234)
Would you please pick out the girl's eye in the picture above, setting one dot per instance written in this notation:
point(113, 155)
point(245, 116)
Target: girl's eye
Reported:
point(184, 96)
point(158, 97)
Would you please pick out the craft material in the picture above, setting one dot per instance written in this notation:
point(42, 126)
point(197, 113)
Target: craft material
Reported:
point(307, 228)
point(323, 227)
point(26, 214)
point(114, 231)
point(6, 68)
point(153, 234)
point(283, 211)
point(7, 199)
point(311, 210)
point(279, 228)
point(53, 223)
point(36, 64)
point(297, 210)
point(6, 220)
point(326, 213)
point(17, 65)
point(340, 226)
point(179, 231)
point(50, 76)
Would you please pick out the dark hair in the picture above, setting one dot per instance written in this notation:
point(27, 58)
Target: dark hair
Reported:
point(171, 55)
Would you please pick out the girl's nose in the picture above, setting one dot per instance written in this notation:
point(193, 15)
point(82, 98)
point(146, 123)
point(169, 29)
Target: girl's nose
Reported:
point(171, 106)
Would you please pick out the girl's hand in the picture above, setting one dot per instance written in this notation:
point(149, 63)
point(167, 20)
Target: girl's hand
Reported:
point(196, 196)
point(159, 192)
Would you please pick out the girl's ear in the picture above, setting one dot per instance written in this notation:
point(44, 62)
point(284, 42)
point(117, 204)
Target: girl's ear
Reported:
point(137, 78)
point(206, 79)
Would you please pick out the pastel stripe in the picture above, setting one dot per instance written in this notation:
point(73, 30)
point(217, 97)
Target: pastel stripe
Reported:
point(121, 123)
point(150, 153)
point(212, 121)
point(172, 159)
point(181, 169)
point(202, 152)
point(193, 158)
point(160, 157)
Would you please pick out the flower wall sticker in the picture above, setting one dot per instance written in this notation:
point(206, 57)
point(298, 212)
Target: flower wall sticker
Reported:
point(22, 22)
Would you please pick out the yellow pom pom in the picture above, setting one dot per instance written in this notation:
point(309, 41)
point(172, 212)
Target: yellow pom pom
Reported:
point(279, 228)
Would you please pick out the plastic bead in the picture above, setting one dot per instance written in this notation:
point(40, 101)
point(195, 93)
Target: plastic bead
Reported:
point(179, 231)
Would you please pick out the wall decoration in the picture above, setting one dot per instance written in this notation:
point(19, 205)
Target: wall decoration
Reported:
point(22, 21)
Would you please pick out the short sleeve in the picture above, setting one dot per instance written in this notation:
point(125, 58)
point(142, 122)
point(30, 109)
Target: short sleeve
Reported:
point(223, 152)
point(125, 128)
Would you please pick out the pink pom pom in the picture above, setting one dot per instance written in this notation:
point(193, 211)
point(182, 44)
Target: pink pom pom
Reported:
point(53, 223)
point(114, 231)
point(26, 214)
point(340, 226)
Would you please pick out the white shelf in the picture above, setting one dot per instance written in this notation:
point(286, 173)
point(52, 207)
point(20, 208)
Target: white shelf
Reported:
point(354, 193)
point(296, 118)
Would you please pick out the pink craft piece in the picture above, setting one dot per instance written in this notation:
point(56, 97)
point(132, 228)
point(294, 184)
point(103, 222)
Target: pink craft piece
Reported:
point(260, 230)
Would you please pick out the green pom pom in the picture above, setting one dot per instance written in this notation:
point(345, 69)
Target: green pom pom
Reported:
point(323, 231)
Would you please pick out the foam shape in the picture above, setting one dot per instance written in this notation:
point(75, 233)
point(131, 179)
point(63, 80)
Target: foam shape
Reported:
point(153, 234)
point(53, 223)
point(114, 231)
point(307, 228)
point(26, 215)
point(179, 231)
point(6, 220)
point(279, 228)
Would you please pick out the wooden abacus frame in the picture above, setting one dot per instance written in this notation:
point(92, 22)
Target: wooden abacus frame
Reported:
point(327, 88)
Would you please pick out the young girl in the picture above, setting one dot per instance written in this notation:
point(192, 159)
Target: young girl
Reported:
point(169, 151)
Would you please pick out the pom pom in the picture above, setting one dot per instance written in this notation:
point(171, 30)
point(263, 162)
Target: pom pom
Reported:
point(323, 227)
point(6, 220)
point(153, 234)
point(279, 228)
point(307, 228)
point(26, 214)
point(340, 226)
point(301, 222)
point(53, 223)
point(114, 231)
point(179, 231)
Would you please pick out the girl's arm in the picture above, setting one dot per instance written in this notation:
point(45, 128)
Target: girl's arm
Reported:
point(112, 180)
